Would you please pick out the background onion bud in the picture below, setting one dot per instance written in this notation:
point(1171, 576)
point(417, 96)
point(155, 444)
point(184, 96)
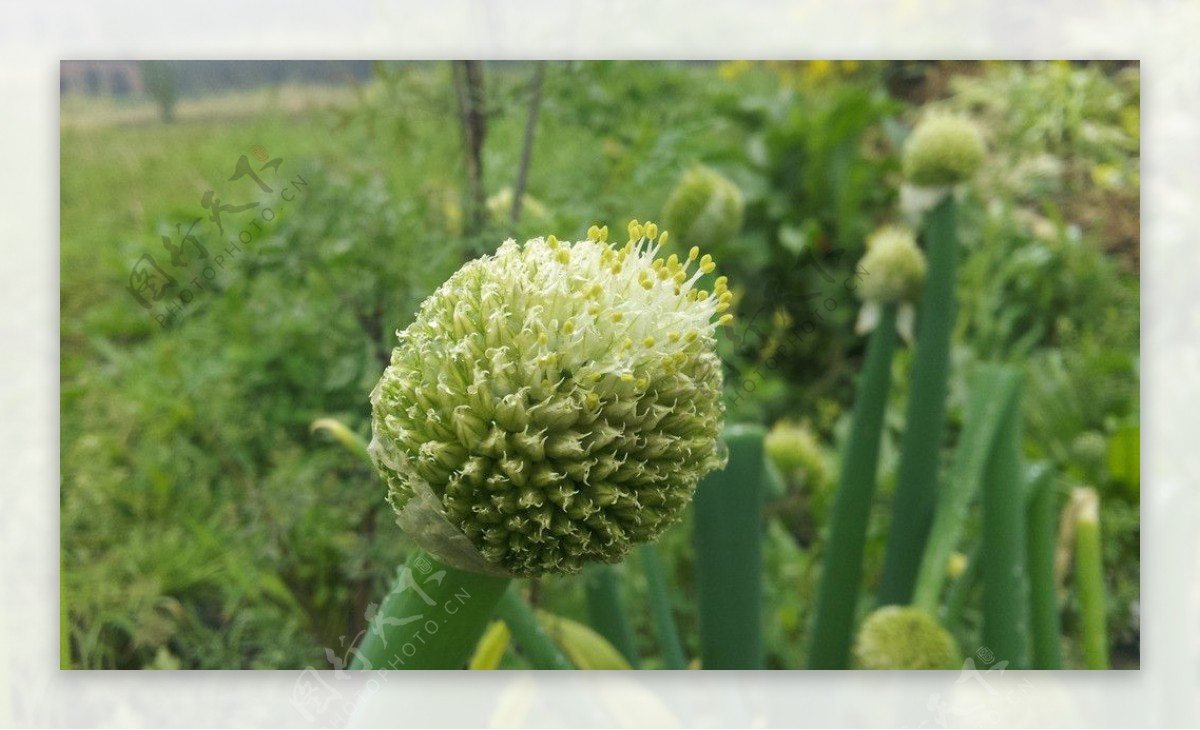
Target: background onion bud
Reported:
point(944, 149)
point(796, 452)
point(553, 404)
point(894, 266)
point(705, 209)
point(904, 637)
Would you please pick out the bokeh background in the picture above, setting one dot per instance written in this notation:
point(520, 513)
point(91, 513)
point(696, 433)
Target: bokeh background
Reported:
point(205, 525)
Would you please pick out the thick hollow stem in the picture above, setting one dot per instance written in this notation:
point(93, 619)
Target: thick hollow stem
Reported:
point(925, 425)
point(1005, 600)
point(841, 573)
point(606, 609)
point(432, 619)
point(728, 538)
point(529, 636)
point(660, 604)
point(1043, 597)
point(992, 394)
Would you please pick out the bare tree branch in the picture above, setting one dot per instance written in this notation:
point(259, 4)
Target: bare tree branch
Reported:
point(535, 104)
point(468, 83)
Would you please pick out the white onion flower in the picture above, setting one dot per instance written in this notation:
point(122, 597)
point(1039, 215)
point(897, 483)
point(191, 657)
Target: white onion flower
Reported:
point(553, 404)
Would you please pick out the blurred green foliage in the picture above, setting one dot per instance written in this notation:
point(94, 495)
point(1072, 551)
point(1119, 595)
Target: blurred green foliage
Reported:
point(205, 526)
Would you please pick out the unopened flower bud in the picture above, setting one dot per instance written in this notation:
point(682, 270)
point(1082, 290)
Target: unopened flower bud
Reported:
point(904, 637)
point(705, 210)
point(796, 452)
point(943, 150)
point(894, 268)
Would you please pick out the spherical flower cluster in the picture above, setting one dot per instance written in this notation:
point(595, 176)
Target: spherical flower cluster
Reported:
point(943, 150)
point(894, 268)
point(893, 272)
point(796, 452)
point(705, 209)
point(904, 637)
point(553, 404)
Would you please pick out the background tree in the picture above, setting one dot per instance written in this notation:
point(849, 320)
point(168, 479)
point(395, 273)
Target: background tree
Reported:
point(162, 81)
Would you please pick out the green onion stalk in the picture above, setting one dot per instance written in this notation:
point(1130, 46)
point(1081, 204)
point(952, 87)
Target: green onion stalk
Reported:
point(529, 633)
point(432, 618)
point(1043, 594)
point(991, 397)
point(552, 406)
point(894, 270)
point(1005, 581)
point(729, 569)
point(660, 605)
point(606, 609)
point(943, 152)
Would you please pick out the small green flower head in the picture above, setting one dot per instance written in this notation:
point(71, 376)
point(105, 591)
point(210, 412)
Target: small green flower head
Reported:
point(1090, 451)
point(553, 404)
point(894, 268)
point(904, 637)
point(705, 209)
point(944, 149)
point(796, 452)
